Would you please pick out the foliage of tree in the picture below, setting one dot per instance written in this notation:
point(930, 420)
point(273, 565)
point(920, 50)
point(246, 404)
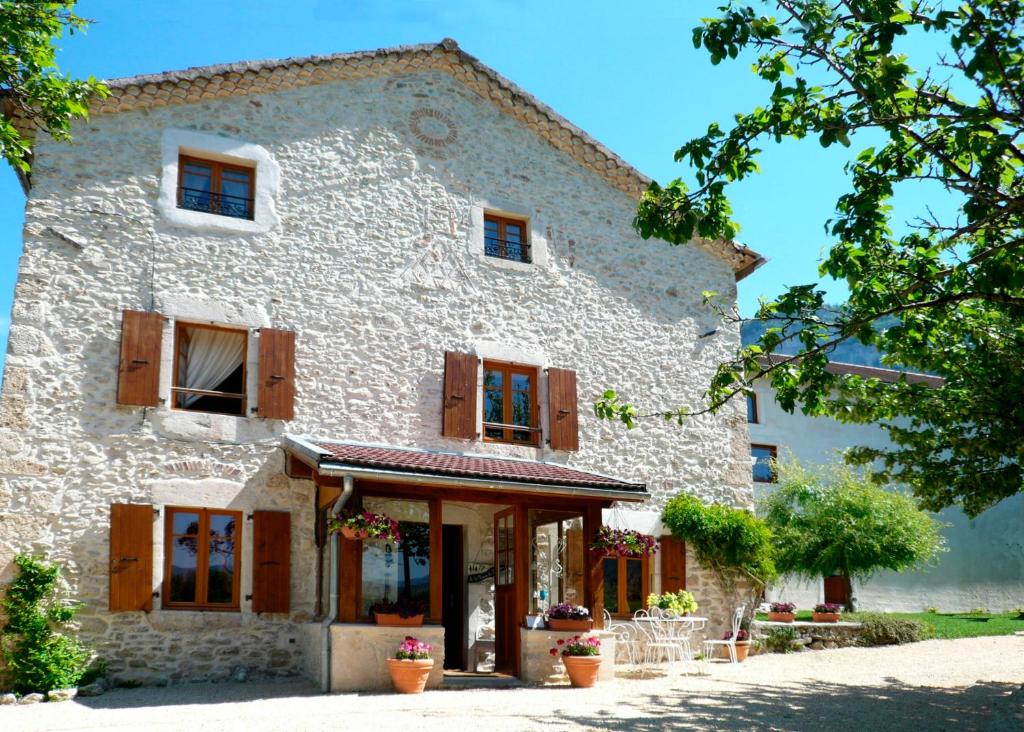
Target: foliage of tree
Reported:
point(38, 652)
point(953, 283)
point(31, 86)
point(733, 543)
point(836, 521)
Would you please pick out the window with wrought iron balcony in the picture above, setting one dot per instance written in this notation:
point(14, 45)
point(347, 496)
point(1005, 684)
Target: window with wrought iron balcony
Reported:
point(215, 187)
point(506, 239)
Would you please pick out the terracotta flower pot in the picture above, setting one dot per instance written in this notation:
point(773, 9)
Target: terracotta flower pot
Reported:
point(562, 624)
point(354, 534)
point(394, 619)
point(825, 617)
point(582, 670)
point(782, 617)
point(742, 651)
point(409, 677)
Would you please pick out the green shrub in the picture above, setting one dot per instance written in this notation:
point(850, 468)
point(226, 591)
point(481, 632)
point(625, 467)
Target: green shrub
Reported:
point(38, 655)
point(885, 630)
point(781, 640)
point(732, 542)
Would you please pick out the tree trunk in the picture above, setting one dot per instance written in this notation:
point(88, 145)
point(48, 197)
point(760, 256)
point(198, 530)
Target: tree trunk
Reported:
point(848, 606)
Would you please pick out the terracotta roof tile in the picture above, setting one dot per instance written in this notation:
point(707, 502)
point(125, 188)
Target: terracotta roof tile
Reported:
point(468, 466)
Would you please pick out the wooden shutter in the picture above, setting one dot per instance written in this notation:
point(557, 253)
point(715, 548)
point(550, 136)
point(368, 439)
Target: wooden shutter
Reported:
point(271, 561)
point(131, 557)
point(459, 417)
point(277, 374)
point(138, 374)
point(563, 418)
point(673, 564)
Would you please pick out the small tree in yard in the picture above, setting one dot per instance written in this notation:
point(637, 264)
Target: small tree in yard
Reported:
point(839, 522)
point(37, 654)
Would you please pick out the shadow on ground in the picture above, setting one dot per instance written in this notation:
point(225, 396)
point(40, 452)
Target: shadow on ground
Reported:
point(991, 706)
point(199, 693)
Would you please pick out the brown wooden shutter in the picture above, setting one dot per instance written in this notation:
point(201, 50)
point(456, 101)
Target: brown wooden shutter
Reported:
point(131, 557)
point(138, 374)
point(277, 374)
point(673, 564)
point(459, 417)
point(271, 561)
point(563, 419)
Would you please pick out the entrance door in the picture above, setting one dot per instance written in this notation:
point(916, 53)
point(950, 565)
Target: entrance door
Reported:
point(453, 592)
point(505, 622)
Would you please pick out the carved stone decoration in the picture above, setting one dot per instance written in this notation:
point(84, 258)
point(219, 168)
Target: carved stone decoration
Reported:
point(433, 128)
point(438, 253)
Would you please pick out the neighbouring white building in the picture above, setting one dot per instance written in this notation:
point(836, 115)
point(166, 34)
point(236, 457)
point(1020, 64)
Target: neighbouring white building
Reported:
point(255, 294)
point(984, 564)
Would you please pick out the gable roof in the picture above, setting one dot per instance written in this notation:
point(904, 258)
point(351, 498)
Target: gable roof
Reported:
point(256, 77)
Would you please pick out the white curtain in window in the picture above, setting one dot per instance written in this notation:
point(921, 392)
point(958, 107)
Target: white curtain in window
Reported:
point(210, 357)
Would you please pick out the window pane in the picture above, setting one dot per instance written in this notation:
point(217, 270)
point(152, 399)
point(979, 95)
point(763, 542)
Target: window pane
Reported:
point(197, 177)
point(222, 525)
point(185, 523)
point(611, 585)
point(634, 584)
point(493, 379)
point(521, 408)
point(521, 382)
point(763, 472)
point(494, 406)
point(752, 409)
point(221, 576)
point(399, 572)
point(513, 232)
point(183, 569)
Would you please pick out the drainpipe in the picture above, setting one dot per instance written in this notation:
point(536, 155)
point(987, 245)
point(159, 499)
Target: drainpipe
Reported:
point(348, 482)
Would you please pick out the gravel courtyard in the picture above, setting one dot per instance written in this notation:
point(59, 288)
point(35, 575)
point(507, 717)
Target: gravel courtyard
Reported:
point(968, 684)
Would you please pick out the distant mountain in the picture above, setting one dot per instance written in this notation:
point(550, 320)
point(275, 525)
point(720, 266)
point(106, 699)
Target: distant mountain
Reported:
point(850, 351)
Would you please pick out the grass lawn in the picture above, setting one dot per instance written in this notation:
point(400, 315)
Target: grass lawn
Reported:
point(947, 625)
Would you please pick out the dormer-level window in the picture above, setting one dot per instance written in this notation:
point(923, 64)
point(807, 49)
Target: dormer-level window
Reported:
point(506, 238)
point(216, 187)
point(209, 369)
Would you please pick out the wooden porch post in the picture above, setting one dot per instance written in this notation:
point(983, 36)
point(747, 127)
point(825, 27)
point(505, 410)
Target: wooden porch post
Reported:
point(521, 570)
point(436, 564)
point(593, 564)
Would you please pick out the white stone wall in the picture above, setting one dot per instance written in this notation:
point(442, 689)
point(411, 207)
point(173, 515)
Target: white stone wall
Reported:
point(984, 564)
point(372, 260)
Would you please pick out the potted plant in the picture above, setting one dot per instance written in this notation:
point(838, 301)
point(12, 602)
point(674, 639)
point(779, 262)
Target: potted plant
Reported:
point(564, 616)
point(367, 525)
point(742, 644)
point(623, 543)
point(675, 604)
point(403, 613)
point(581, 656)
point(827, 612)
point(782, 612)
point(411, 666)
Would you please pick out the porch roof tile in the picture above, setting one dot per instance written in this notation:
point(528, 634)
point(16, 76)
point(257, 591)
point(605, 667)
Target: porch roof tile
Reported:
point(469, 466)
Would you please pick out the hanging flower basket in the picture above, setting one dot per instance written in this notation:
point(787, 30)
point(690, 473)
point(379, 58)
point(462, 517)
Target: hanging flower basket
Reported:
point(623, 543)
point(367, 525)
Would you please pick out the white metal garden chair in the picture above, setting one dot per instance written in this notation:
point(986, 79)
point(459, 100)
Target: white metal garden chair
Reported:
point(730, 643)
point(625, 636)
point(659, 642)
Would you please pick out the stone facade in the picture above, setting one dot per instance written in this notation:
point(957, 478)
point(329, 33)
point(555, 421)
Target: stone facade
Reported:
point(372, 263)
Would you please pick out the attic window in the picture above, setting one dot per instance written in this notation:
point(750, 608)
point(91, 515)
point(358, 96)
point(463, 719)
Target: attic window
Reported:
point(216, 187)
point(209, 369)
point(506, 238)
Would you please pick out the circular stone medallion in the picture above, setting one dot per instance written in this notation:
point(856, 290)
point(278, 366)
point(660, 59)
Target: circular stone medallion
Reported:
point(433, 127)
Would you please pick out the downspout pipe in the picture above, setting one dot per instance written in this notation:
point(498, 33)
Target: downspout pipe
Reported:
point(348, 485)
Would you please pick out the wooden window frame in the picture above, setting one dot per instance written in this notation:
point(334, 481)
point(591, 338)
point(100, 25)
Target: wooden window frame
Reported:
point(243, 397)
point(503, 223)
point(645, 586)
point(534, 430)
point(752, 399)
point(774, 456)
point(217, 168)
point(202, 560)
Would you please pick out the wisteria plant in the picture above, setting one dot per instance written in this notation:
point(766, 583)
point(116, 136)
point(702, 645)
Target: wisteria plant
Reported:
point(624, 542)
point(565, 611)
point(369, 524)
point(578, 645)
point(413, 650)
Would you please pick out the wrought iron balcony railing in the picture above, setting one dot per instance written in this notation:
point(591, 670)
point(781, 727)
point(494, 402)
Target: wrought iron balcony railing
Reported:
point(515, 251)
point(196, 199)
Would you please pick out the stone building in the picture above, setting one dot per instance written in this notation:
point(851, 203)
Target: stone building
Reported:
point(257, 294)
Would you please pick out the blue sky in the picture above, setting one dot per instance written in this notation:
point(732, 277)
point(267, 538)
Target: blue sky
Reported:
point(627, 73)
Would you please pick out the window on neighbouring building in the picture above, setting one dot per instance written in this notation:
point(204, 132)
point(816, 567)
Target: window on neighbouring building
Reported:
point(216, 187)
point(510, 404)
point(625, 585)
point(764, 463)
point(209, 369)
point(201, 549)
point(752, 415)
point(506, 239)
